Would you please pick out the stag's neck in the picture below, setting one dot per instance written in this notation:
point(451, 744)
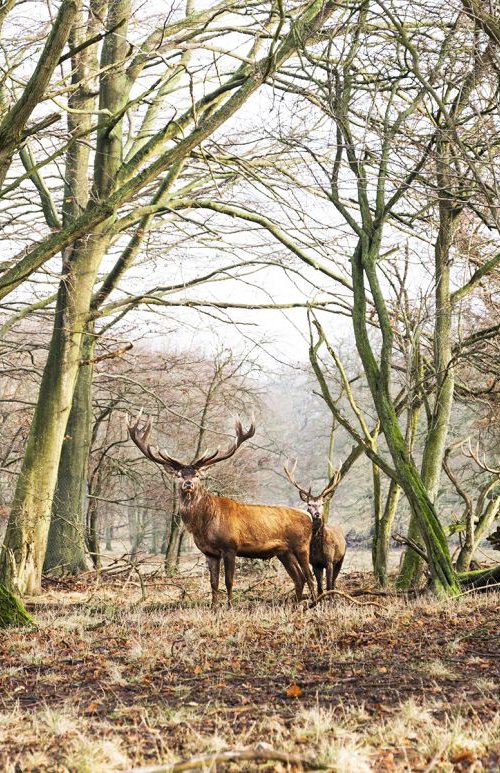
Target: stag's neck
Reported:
point(196, 508)
point(318, 531)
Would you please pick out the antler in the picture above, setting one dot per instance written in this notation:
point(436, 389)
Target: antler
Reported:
point(219, 456)
point(475, 456)
point(140, 436)
point(332, 484)
point(327, 491)
point(290, 475)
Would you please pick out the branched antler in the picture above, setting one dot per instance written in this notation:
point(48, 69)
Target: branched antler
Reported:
point(140, 435)
point(305, 494)
point(218, 456)
point(289, 472)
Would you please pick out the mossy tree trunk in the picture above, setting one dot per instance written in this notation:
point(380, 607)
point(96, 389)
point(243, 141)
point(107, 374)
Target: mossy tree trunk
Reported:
point(29, 521)
point(66, 542)
point(28, 526)
point(363, 262)
point(439, 420)
point(481, 519)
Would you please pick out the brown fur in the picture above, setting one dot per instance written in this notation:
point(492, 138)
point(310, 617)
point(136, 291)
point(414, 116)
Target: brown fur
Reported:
point(328, 547)
point(223, 528)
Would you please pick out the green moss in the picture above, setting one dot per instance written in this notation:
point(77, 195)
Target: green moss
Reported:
point(12, 611)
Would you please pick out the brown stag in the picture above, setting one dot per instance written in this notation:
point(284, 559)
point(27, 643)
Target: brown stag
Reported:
point(328, 544)
point(223, 528)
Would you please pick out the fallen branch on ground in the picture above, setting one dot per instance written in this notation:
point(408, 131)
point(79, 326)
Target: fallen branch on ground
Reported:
point(258, 754)
point(345, 596)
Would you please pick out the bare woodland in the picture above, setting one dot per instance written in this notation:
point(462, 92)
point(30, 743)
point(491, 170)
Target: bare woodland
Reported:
point(286, 213)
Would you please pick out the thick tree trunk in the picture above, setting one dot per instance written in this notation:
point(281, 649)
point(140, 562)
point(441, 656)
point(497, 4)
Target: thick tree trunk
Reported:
point(435, 444)
point(27, 530)
point(28, 526)
point(66, 543)
point(443, 576)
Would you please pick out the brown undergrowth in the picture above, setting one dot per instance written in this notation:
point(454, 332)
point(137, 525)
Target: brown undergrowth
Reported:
point(108, 681)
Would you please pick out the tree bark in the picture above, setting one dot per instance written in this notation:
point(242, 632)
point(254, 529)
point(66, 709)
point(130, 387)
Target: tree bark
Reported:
point(66, 542)
point(435, 444)
point(473, 539)
point(443, 576)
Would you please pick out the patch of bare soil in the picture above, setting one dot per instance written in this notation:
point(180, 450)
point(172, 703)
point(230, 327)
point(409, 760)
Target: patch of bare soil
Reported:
point(108, 681)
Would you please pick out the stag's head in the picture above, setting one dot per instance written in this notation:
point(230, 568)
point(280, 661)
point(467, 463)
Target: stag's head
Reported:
point(189, 475)
point(314, 502)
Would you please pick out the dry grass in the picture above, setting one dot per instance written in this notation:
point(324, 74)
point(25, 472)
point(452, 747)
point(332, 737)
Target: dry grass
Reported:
point(106, 682)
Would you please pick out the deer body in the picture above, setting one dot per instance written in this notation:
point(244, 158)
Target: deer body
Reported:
point(223, 528)
point(328, 545)
point(328, 548)
point(219, 524)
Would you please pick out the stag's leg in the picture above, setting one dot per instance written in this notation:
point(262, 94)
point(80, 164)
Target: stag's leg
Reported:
point(303, 560)
point(229, 563)
point(294, 571)
point(214, 569)
point(332, 573)
point(318, 573)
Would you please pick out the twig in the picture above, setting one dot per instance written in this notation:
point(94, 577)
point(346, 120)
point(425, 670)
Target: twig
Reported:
point(411, 544)
point(345, 596)
point(257, 754)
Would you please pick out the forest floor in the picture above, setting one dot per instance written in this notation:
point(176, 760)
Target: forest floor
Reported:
point(122, 671)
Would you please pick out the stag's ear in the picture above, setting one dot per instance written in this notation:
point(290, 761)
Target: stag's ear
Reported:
point(202, 472)
point(303, 496)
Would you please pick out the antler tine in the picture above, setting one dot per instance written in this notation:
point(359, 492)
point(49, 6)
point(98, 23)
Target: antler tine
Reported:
point(332, 483)
point(290, 475)
point(218, 456)
point(140, 435)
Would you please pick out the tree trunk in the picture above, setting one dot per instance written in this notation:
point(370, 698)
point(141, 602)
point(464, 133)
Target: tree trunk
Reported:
point(92, 534)
point(109, 538)
point(66, 542)
point(471, 543)
point(443, 576)
point(28, 526)
point(381, 545)
point(435, 445)
point(173, 544)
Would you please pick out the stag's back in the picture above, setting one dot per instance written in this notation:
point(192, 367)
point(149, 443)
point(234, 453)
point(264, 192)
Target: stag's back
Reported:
point(262, 529)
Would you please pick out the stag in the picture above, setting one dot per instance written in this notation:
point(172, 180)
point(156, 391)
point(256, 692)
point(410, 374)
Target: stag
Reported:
point(328, 544)
point(223, 528)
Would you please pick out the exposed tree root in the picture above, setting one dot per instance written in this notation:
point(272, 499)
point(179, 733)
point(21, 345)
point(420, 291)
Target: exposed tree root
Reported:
point(12, 611)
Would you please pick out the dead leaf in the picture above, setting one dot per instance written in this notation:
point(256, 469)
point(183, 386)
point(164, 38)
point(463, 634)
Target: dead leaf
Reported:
point(294, 690)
